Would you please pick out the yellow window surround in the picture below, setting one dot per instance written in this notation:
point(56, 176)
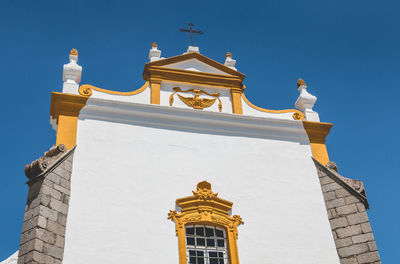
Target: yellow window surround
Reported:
point(204, 207)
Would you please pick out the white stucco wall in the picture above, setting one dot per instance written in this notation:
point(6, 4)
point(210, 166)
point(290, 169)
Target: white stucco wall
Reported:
point(133, 161)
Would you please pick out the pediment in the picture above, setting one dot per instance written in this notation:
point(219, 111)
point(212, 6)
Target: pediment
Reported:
point(195, 62)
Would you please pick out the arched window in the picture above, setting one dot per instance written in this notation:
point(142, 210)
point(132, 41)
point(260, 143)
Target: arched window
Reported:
point(206, 232)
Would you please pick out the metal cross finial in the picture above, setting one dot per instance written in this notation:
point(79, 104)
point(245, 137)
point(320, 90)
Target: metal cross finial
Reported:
point(191, 31)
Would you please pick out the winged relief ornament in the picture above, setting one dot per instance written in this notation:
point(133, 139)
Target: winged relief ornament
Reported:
point(196, 102)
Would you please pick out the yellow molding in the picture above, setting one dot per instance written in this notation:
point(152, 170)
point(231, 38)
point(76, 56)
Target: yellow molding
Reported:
point(86, 90)
point(192, 77)
point(204, 207)
point(297, 115)
point(155, 91)
point(317, 133)
point(65, 108)
point(236, 101)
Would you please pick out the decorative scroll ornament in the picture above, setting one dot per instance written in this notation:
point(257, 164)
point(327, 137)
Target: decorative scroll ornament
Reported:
point(204, 207)
point(196, 102)
point(85, 91)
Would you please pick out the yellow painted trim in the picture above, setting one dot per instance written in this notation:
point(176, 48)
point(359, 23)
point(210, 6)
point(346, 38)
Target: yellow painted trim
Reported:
point(297, 115)
point(155, 91)
point(86, 90)
point(317, 133)
point(236, 101)
point(65, 108)
point(204, 207)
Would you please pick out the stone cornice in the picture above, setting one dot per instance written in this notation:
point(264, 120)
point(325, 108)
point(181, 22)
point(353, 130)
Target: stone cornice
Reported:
point(343, 182)
point(52, 158)
point(194, 120)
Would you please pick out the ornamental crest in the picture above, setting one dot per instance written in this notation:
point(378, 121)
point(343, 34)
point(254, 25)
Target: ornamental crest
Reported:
point(196, 102)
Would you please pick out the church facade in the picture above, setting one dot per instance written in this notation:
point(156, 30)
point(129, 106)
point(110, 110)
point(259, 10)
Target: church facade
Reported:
point(186, 169)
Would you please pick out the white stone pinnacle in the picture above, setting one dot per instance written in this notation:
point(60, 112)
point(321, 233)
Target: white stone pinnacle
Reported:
point(305, 102)
point(155, 53)
point(72, 73)
point(229, 62)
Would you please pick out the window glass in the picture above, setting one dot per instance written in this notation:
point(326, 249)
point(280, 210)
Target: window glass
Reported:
point(206, 245)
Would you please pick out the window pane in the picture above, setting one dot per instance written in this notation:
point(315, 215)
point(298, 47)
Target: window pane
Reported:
point(220, 254)
point(192, 260)
point(189, 230)
point(200, 253)
point(200, 241)
point(200, 261)
point(192, 253)
point(209, 232)
point(212, 254)
point(219, 233)
point(221, 243)
point(210, 242)
point(199, 231)
point(190, 241)
point(213, 261)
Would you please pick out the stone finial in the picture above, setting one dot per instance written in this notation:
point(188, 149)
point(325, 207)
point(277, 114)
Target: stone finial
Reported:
point(155, 53)
point(193, 49)
point(229, 62)
point(72, 73)
point(43, 163)
point(305, 102)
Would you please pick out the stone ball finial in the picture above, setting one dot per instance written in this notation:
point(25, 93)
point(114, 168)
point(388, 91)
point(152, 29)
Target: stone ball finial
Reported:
point(300, 82)
point(154, 45)
point(332, 165)
point(74, 52)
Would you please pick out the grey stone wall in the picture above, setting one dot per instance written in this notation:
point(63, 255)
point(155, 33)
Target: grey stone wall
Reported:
point(46, 210)
point(346, 206)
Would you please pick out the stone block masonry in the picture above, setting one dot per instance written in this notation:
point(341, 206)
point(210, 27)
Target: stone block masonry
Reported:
point(46, 210)
point(346, 204)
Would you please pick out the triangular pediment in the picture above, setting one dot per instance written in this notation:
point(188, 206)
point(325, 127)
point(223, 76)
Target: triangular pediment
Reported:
point(195, 62)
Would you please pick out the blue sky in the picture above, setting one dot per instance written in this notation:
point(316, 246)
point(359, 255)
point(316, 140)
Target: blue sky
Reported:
point(348, 52)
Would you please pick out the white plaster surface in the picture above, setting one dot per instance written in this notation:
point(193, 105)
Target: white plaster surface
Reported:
point(251, 111)
point(133, 161)
point(142, 97)
point(195, 65)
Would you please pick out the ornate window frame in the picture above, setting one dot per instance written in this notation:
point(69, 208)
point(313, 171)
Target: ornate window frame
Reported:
point(204, 207)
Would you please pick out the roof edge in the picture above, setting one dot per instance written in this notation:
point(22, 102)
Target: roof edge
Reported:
point(342, 181)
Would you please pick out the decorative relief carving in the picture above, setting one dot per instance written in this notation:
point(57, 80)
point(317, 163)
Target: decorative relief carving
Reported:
point(43, 163)
point(196, 102)
point(357, 185)
point(204, 207)
point(204, 191)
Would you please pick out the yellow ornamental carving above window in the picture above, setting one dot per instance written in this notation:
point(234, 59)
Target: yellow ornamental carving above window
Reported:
point(204, 207)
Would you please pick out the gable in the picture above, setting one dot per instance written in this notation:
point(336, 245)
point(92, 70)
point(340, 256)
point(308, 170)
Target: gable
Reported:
point(195, 65)
point(194, 62)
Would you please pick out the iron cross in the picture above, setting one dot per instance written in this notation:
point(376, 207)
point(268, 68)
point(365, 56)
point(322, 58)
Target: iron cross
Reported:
point(191, 31)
